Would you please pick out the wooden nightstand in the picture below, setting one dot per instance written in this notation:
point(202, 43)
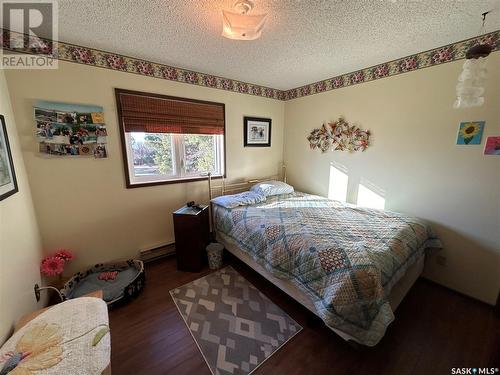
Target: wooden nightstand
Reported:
point(192, 235)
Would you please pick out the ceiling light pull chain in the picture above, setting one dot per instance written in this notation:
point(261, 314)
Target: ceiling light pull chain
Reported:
point(484, 21)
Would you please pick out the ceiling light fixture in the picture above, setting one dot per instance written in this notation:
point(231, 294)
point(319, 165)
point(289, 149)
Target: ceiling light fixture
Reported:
point(240, 24)
point(470, 86)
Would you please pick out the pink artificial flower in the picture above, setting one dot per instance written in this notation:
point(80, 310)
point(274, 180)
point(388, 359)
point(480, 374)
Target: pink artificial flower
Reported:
point(52, 266)
point(64, 254)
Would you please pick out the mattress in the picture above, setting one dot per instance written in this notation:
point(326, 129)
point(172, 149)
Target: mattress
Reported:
point(345, 260)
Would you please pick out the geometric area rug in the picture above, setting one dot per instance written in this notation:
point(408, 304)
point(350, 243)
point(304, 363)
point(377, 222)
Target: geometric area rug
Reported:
point(235, 326)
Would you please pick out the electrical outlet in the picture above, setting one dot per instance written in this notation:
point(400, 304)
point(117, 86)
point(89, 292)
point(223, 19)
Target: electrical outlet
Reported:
point(441, 260)
point(37, 292)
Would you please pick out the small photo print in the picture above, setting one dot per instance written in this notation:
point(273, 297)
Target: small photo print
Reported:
point(45, 115)
point(470, 133)
point(62, 129)
point(73, 150)
point(53, 149)
point(97, 117)
point(59, 149)
point(61, 134)
point(100, 151)
point(84, 118)
point(101, 134)
point(44, 148)
point(492, 146)
point(85, 150)
point(66, 117)
point(83, 135)
point(101, 131)
point(44, 130)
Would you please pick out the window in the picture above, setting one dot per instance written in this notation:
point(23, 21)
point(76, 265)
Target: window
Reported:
point(369, 198)
point(156, 157)
point(167, 139)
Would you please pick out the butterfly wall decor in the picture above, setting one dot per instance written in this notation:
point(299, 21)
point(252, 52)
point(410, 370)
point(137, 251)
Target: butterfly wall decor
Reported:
point(339, 136)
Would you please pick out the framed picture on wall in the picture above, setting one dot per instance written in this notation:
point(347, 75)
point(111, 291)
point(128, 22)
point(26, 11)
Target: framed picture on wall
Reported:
point(8, 182)
point(256, 132)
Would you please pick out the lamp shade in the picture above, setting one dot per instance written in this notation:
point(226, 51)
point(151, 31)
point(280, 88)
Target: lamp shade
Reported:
point(470, 86)
point(242, 26)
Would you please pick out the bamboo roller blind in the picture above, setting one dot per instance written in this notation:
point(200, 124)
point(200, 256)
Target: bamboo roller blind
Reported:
point(150, 113)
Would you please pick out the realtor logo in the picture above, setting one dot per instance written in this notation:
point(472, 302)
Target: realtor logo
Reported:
point(29, 29)
point(474, 371)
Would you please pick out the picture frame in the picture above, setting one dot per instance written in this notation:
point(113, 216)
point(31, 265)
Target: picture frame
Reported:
point(256, 132)
point(8, 181)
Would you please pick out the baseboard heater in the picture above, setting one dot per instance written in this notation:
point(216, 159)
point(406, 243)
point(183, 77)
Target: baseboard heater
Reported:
point(148, 255)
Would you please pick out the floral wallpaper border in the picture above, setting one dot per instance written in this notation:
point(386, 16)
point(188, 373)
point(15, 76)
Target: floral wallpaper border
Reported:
point(93, 57)
point(437, 56)
point(102, 59)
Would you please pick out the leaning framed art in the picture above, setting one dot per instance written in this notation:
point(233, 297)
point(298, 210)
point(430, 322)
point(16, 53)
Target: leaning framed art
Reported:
point(8, 182)
point(256, 132)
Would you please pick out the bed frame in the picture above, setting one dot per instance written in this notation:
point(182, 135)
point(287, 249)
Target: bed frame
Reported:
point(398, 292)
point(239, 186)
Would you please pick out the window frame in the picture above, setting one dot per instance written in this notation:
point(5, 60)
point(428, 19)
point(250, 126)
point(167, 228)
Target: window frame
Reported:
point(126, 151)
point(179, 172)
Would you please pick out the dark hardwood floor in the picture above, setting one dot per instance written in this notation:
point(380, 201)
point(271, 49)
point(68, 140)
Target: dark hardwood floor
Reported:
point(435, 330)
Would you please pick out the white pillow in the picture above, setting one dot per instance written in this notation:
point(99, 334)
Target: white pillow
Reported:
point(269, 188)
point(241, 199)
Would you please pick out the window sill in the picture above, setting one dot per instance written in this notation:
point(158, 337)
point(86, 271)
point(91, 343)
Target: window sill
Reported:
point(173, 181)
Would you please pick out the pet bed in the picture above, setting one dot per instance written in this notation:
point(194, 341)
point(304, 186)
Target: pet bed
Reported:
point(127, 284)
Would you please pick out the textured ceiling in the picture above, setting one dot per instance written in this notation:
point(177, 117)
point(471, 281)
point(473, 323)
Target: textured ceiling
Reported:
point(303, 42)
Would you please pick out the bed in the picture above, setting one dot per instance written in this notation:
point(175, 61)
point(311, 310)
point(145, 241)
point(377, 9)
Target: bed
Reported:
point(350, 266)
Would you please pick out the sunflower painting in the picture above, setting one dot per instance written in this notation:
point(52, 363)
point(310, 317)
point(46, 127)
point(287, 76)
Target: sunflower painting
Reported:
point(470, 133)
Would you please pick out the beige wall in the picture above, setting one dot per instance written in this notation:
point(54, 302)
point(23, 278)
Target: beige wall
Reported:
point(415, 160)
point(83, 204)
point(20, 245)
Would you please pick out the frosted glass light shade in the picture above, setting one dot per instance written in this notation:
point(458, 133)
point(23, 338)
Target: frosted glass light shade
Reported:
point(470, 84)
point(242, 26)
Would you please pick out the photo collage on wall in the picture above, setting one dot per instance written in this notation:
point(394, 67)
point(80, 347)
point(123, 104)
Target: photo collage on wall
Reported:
point(70, 130)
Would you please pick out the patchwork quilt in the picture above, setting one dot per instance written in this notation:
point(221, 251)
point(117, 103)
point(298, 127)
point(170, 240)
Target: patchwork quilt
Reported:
point(346, 258)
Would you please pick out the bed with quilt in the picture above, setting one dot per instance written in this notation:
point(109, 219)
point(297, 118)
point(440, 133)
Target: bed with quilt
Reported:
point(343, 262)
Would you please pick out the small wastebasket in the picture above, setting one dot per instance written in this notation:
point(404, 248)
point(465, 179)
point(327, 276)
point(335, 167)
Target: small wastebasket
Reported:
point(214, 253)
